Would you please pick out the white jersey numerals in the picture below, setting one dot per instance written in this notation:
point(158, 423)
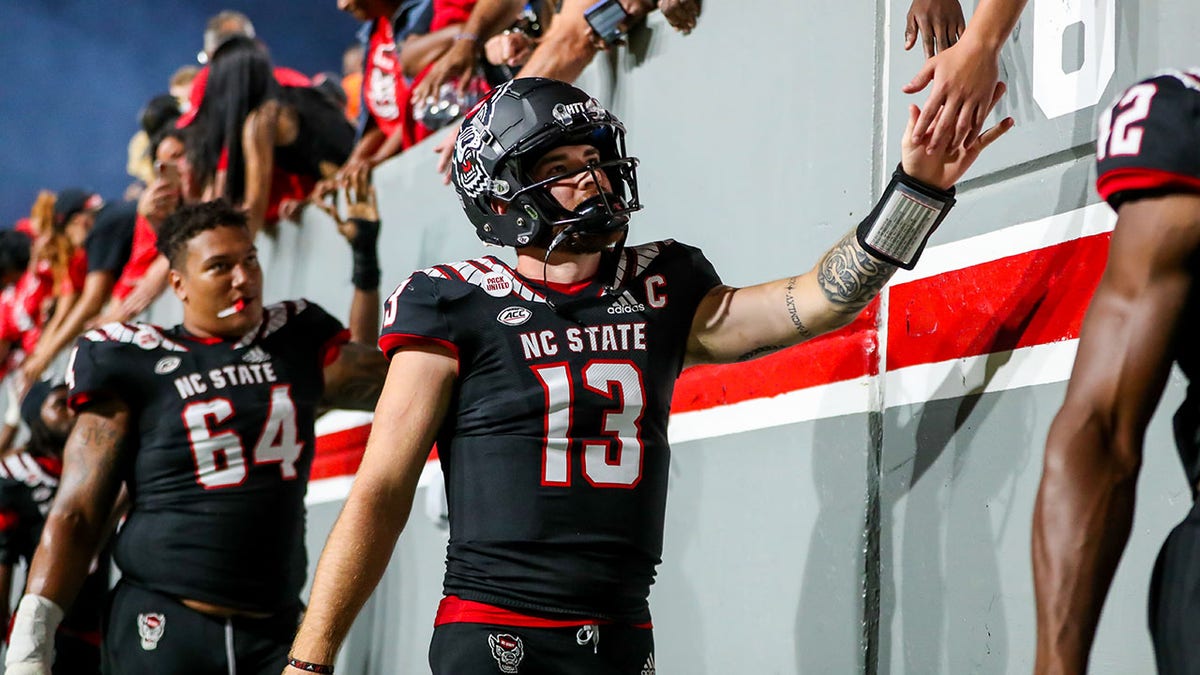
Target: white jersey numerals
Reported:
point(612, 462)
point(220, 456)
point(1121, 135)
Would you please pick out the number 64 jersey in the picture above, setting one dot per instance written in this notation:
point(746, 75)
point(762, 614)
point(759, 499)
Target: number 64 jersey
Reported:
point(220, 446)
point(555, 446)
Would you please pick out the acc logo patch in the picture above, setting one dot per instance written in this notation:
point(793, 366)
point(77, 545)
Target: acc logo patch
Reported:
point(167, 364)
point(497, 285)
point(513, 316)
point(508, 651)
point(150, 628)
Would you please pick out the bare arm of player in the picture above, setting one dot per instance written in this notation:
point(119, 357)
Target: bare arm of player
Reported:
point(736, 324)
point(84, 503)
point(353, 381)
point(415, 399)
point(1084, 508)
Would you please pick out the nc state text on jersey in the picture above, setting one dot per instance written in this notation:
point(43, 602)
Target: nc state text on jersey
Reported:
point(621, 337)
point(228, 376)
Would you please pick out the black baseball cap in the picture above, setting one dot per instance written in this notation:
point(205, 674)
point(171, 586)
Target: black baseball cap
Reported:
point(70, 201)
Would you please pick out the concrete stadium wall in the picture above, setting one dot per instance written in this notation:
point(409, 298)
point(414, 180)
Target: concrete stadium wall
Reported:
point(875, 523)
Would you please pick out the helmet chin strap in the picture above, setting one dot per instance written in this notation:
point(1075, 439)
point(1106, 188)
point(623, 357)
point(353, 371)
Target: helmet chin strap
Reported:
point(578, 227)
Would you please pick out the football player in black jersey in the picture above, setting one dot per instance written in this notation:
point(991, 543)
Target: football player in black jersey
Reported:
point(28, 482)
point(1143, 317)
point(547, 387)
point(210, 426)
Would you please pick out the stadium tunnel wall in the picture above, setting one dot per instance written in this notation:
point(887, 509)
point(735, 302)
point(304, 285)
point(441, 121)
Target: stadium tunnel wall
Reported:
point(861, 503)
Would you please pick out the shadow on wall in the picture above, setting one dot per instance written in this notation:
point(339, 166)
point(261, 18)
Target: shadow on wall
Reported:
point(829, 617)
point(945, 575)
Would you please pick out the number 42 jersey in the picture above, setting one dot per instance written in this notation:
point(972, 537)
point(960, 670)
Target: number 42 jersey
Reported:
point(555, 445)
point(220, 446)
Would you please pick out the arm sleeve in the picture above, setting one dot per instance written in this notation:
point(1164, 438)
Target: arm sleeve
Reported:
point(1148, 138)
point(415, 314)
point(10, 523)
point(326, 332)
point(702, 276)
point(90, 374)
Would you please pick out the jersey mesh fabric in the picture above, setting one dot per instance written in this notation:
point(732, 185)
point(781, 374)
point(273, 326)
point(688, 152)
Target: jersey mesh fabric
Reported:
point(224, 445)
point(555, 447)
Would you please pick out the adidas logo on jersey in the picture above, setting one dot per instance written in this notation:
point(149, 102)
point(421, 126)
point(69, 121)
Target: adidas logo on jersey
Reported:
point(626, 304)
point(648, 669)
point(255, 355)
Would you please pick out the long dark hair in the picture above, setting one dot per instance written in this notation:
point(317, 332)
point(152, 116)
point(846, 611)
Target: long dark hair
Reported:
point(240, 79)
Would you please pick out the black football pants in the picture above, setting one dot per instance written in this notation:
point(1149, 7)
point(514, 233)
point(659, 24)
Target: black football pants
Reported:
point(487, 649)
point(149, 632)
point(1175, 600)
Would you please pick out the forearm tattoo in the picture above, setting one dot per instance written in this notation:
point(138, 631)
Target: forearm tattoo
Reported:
point(761, 351)
point(360, 379)
point(789, 299)
point(850, 277)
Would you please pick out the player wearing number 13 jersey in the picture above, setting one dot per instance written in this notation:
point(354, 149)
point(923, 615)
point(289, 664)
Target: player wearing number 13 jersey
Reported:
point(210, 427)
point(547, 386)
point(1144, 316)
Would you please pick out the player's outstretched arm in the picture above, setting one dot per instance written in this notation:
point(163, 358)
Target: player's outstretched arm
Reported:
point(415, 399)
point(1084, 507)
point(353, 381)
point(736, 324)
point(74, 530)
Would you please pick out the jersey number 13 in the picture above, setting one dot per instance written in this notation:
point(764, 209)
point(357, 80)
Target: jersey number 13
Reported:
point(615, 461)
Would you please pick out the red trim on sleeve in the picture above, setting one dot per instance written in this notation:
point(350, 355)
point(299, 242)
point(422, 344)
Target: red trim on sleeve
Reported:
point(333, 347)
point(1139, 178)
point(50, 465)
point(392, 341)
point(77, 401)
point(453, 609)
point(8, 520)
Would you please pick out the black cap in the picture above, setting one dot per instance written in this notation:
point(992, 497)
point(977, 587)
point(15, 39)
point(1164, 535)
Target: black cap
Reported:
point(31, 405)
point(70, 201)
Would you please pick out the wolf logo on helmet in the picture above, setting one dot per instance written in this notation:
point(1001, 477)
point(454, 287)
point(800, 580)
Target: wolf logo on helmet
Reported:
point(505, 135)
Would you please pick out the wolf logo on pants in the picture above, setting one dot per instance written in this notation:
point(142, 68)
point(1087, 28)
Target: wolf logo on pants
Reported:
point(508, 651)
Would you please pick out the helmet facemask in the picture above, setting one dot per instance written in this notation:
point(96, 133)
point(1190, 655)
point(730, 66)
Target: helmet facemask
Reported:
point(504, 138)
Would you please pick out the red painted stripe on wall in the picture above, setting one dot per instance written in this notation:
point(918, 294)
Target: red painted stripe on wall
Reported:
point(1033, 298)
point(842, 355)
point(1024, 300)
point(339, 453)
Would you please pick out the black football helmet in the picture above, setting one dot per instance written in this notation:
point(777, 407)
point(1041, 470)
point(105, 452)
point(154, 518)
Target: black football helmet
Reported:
point(504, 136)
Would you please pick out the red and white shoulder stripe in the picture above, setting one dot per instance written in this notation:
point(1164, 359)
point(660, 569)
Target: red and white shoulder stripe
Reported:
point(635, 259)
point(144, 335)
point(22, 466)
point(488, 273)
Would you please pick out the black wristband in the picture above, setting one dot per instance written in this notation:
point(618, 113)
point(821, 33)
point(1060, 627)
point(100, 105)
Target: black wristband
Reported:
point(899, 226)
point(310, 667)
point(365, 247)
